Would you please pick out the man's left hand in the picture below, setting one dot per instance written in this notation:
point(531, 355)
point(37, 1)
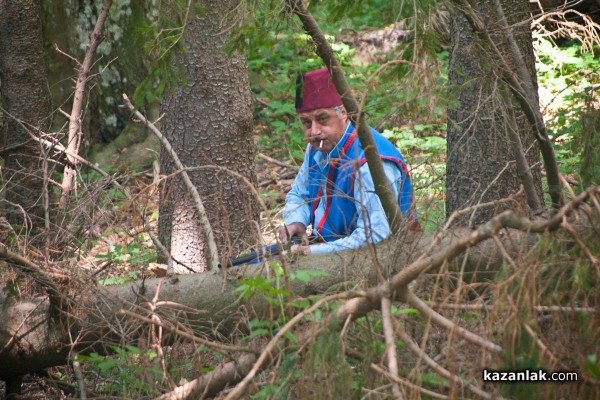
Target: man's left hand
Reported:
point(299, 249)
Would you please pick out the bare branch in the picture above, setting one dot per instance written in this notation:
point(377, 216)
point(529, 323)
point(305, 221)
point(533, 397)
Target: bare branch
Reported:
point(79, 377)
point(184, 334)
point(414, 347)
point(247, 366)
point(58, 146)
point(451, 326)
point(277, 162)
point(398, 284)
point(269, 349)
point(407, 383)
point(523, 169)
point(27, 267)
point(75, 134)
point(390, 344)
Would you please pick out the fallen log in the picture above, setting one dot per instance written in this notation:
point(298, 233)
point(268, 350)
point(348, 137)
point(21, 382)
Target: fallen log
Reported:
point(34, 335)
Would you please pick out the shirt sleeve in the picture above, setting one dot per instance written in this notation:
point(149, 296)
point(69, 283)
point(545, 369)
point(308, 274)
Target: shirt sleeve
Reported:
point(372, 225)
point(297, 205)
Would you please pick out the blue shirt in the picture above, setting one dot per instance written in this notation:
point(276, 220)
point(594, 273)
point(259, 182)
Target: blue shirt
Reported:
point(371, 224)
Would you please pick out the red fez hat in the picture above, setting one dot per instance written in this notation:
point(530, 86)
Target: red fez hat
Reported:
point(316, 90)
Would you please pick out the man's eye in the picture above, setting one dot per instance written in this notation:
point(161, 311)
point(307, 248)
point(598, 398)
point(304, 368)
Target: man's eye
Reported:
point(322, 120)
point(306, 124)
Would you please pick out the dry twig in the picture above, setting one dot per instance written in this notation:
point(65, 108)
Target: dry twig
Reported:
point(186, 335)
point(390, 344)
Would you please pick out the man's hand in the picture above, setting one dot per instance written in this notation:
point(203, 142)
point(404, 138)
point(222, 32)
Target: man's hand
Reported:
point(286, 232)
point(300, 249)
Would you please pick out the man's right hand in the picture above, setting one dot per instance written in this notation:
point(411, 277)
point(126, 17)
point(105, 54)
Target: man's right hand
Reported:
point(286, 232)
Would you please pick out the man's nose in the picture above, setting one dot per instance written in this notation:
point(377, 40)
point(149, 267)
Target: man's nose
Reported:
point(315, 129)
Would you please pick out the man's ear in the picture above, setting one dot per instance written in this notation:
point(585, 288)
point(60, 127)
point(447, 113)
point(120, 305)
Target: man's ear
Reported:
point(344, 113)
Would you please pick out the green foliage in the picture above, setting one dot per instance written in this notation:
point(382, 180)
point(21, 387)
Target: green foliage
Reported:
point(523, 354)
point(424, 148)
point(271, 289)
point(11, 293)
point(330, 373)
point(119, 280)
point(566, 273)
point(263, 287)
point(289, 371)
point(593, 366)
point(590, 143)
point(135, 254)
point(420, 140)
point(369, 14)
point(566, 75)
point(126, 373)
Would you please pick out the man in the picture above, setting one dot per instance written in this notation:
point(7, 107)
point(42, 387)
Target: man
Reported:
point(333, 190)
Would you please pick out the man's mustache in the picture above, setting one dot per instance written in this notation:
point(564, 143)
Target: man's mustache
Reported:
point(316, 141)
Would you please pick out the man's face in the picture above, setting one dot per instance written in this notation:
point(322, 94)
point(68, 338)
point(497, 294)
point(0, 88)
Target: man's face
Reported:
point(323, 127)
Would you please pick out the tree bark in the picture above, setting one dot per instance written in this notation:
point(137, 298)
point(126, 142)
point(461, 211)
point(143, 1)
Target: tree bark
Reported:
point(208, 121)
point(26, 97)
point(481, 163)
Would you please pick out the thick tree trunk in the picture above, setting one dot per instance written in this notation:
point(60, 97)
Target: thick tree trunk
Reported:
point(25, 95)
point(208, 121)
point(481, 163)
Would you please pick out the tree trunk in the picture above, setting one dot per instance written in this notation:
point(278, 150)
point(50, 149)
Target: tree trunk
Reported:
point(208, 121)
point(481, 164)
point(26, 97)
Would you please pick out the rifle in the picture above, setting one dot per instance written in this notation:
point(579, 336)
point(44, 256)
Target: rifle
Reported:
point(256, 256)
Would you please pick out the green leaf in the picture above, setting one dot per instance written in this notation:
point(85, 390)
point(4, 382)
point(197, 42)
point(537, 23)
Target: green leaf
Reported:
point(133, 349)
point(592, 365)
point(258, 332)
point(404, 311)
point(109, 364)
point(305, 275)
